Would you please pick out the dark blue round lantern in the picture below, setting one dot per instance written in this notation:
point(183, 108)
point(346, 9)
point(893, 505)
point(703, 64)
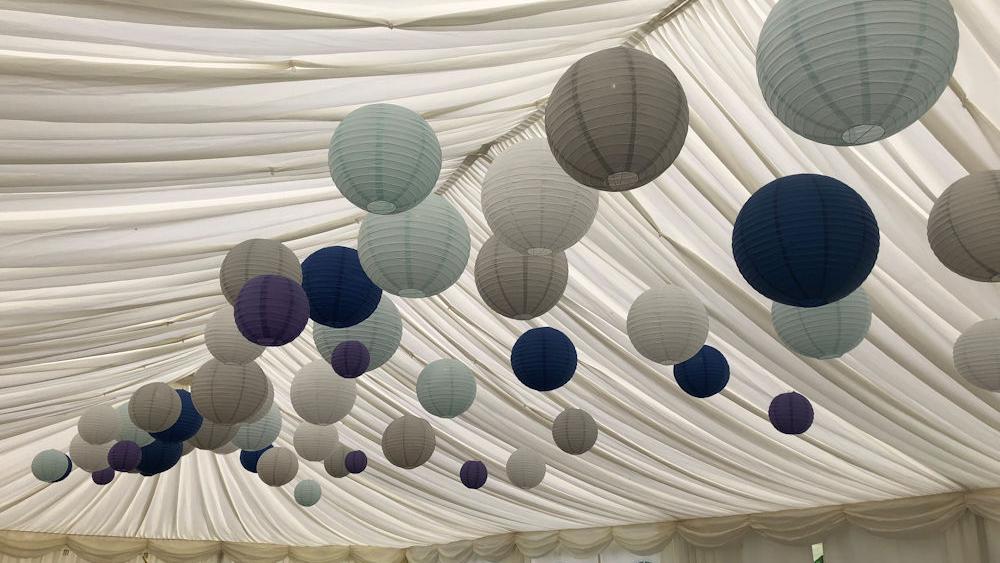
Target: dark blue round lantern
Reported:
point(271, 310)
point(187, 424)
point(543, 359)
point(340, 292)
point(159, 456)
point(473, 474)
point(249, 459)
point(805, 240)
point(356, 461)
point(103, 477)
point(350, 359)
point(124, 456)
point(704, 374)
point(791, 413)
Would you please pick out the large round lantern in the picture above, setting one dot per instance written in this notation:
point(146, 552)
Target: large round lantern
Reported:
point(154, 407)
point(340, 292)
point(790, 413)
point(50, 466)
point(380, 333)
point(356, 461)
point(227, 393)
point(256, 435)
point(265, 407)
point(187, 423)
point(256, 257)
point(225, 342)
point(314, 442)
point(408, 441)
point(805, 240)
point(843, 72)
point(212, 435)
point(446, 388)
point(519, 286)
point(124, 456)
point(531, 205)
point(308, 492)
point(543, 359)
point(384, 158)
point(473, 474)
point(158, 457)
point(704, 374)
point(525, 468)
point(225, 449)
point(350, 359)
point(336, 462)
point(616, 119)
point(977, 355)
point(417, 253)
point(271, 310)
point(249, 459)
point(824, 332)
point(277, 466)
point(186, 448)
point(574, 431)
point(99, 424)
point(320, 396)
point(963, 229)
point(667, 324)
point(128, 431)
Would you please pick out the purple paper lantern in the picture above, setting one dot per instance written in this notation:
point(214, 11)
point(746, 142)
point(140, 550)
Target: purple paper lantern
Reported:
point(104, 476)
point(791, 413)
point(356, 461)
point(124, 456)
point(350, 359)
point(271, 310)
point(473, 474)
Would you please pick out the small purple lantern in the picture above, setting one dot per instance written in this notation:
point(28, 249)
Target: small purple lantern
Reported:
point(104, 476)
point(124, 456)
point(271, 310)
point(356, 461)
point(473, 474)
point(350, 359)
point(791, 413)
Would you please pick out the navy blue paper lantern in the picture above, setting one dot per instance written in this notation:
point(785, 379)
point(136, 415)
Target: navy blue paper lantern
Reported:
point(543, 359)
point(350, 359)
point(473, 474)
point(159, 456)
point(103, 477)
point(791, 413)
point(124, 456)
point(340, 292)
point(249, 459)
point(356, 461)
point(805, 240)
point(271, 310)
point(704, 374)
point(187, 424)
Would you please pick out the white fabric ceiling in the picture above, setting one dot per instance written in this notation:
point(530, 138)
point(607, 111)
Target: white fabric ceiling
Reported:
point(140, 140)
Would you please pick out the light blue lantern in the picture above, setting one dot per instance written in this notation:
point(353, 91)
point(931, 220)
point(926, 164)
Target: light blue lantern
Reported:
point(824, 332)
point(446, 388)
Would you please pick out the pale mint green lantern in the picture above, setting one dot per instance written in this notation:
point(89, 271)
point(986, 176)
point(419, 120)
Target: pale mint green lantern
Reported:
point(128, 431)
point(384, 158)
point(50, 466)
point(446, 388)
point(380, 333)
point(308, 492)
point(255, 436)
point(824, 332)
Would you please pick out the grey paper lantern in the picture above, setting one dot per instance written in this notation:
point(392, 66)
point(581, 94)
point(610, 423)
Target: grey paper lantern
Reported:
point(977, 354)
point(89, 457)
point(380, 333)
point(963, 229)
point(335, 463)
point(265, 407)
point(308, 492)
point(667, 324)
point(50, 466)
point(226, 449)
point(256, 257)
point(519, 286)
point(225, 342)
point(186, 448)
point(616, 119)
point(154, 407)
point(277, 466)
point(228, 393)
point(824, 332)
point(446, 388)
point(314, 442)
point(525, 468)
point(384, 158)
point(320, 396)
point(99, 424)
point(417, 253)
point(574, 431)
point(843, 72)
point(408, 441)
point(212, 435)
point(128, 431)
point(254, 436)
point(531, 205)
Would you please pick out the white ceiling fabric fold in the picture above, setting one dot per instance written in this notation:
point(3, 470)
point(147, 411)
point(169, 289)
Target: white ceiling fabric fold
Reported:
point(138, 143)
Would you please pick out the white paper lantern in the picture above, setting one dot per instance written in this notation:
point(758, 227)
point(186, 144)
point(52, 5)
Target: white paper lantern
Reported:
point(446, 388)
point(212, 435)
point(667, 324)
point(154, 407)
point(254, 436)
point(519, 286)
point(128, 431)
point(320, 396)
point(50, 466)
point(408, 441)
point(574, 431)
point(824, 332)
point(417, 253)
point(531, 205)
point(226, 449)
point(265, 407)
point(99, 424)
point(308, 492)
point(963, 229)
point(334, 463)
point(89, 457)
point(977, 354)
point(228, 393)
point(256, 257)
point(380, 333)
point(844, 72)
point(277, 466)
point(525, 468)
point(186, 448)
point(314, 442)
point(225, 342)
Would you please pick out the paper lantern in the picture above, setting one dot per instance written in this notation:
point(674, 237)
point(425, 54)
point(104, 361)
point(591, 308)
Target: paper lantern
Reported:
point(473, 474)
point(277, 466)
point(531, 205)
point(320, 396)
point(314, 442)
point(380, 333)
point(225, 342)
point(824, 332)
point(667, 324)
point(50, 466)
point(124, 456)
point(69, 468)
point(128, 431)
point(336, 463)
point(154, 407)
point(574, 431)
point(265, 407)
point(256, 435)
point(805, 240)
point(187, 423)
point(977, 355)
point(417, 253)
point(350, 359)
point(843, 72)
point(962, 228)
point(186, 448)
point(256, 257)
point(227, 393)
point(212, 435)
point(307, 492)
point(790, 413)
point(704, 374)
point(98, 424)
point(249, 459)
point(519, 286)
point(384, 158)
point(159, 456)
point(225, 449)
point(103, 477)
point(543, 359)
point(525, 469)
point(89, 457)
point(616, 119)
point(340, 292)
point(446, 388)
point(271, 310)
point(356, 461)
point(408, 441)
